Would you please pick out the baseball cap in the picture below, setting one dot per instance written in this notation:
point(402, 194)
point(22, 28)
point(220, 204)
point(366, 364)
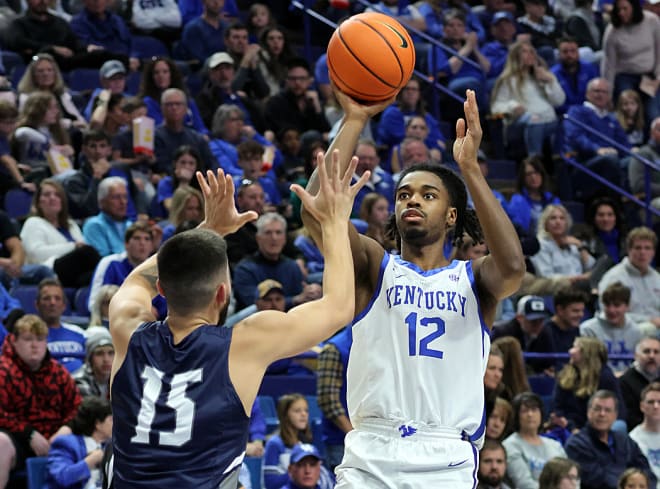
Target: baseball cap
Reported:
point(111, 68)
point(95, 337)
point(267, 286)
point(532, 307)
point(302, 450)
point(501, 15)
point(219, 58)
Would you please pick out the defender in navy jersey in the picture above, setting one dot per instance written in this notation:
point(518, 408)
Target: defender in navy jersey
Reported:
point(182, 388)
point(420, 332)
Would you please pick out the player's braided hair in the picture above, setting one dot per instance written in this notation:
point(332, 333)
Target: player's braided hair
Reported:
point(466, 218)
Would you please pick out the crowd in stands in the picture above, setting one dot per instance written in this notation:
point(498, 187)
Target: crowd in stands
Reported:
point(108, 108)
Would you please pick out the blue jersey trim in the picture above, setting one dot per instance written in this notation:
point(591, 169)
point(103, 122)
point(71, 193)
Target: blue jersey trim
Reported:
point(480, 430)
point(475, 454)
point(484, 327)
point(425, 273)
point(379, 284)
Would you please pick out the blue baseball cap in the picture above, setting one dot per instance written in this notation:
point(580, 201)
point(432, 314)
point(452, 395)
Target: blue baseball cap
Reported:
point(302, 450)
point(501, 15)
point(533, 307)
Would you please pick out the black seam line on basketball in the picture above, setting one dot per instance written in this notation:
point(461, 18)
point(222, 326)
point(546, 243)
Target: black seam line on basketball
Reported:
point(331, 68)
point(341, 38)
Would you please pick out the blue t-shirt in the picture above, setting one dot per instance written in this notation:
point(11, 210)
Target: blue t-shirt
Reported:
point(66, 344)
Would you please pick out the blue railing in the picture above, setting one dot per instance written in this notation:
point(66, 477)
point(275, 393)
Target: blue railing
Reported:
point(648, 166)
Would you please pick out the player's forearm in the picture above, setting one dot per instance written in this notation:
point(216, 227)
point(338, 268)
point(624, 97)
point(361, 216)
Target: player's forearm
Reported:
point(343, 423)
point(338, 279)
point(501, 237)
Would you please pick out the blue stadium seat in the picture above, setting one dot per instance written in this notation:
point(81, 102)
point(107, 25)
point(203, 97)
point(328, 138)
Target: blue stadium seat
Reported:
point(315, 413)
point(276, 385)
point(11, 60)
point(83, 79)
point(36, 472)
point(16, 74)
point(542, 384)
point(194, 83)
point(80, 301)
point(133, 82)
point(269, 411)
point(26, 295)
point(575, 209)
point(254, 466)
point(502, 170)
point(145, 47)
point(17, 203)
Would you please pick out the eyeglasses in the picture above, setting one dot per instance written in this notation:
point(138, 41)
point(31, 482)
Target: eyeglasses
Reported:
point(602, 409)
point(297, 78)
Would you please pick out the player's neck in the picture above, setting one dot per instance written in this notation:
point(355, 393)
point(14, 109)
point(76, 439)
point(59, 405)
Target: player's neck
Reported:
point(426, 257)
point(182, 326)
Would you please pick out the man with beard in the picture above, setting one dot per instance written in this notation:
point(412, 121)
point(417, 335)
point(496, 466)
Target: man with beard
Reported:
point(641, 373)
point(572, 74)
point(182, 389)
point(492, 466)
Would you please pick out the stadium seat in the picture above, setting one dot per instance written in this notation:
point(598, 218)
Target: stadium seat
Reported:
point(194, 83)
point(269, 411)
point(254, 466)
point(502, 170)
point(315, 413)
point(36, 472)
point(542, 384)
point(575, 209)
point(145, 47)
point(16, 74)
point(18, 203)
point(26, 295)
point(11, 60)
point(276, 385)
point(80, 301)
point(133, 82)
point(83, 79)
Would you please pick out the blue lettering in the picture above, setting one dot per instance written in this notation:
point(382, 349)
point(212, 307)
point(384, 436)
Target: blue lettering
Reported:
point(388, 294)
point(462, 300)
point(397, 294)
point(451, 306)
point(429, 299)
point(410, 294)
point(438, 299)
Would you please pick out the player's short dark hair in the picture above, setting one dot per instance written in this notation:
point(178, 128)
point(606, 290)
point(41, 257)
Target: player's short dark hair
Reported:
point(569, 295)
point(191, 266)
point(92, 410)
point(466, 219)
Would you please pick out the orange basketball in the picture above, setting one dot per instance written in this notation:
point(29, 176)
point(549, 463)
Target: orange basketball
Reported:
point(370, 57)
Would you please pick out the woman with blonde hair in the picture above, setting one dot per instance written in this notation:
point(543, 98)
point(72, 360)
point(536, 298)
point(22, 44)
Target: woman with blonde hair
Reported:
point(514, 376)
point(187, 205)
point(584, 374)
point(630, 114)
point(99, 316)
point(526, 93)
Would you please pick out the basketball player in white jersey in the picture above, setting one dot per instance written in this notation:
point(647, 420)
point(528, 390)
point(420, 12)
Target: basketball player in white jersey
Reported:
point(421, 326)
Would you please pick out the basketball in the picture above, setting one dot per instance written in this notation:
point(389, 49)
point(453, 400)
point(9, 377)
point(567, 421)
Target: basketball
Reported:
point(370, 57)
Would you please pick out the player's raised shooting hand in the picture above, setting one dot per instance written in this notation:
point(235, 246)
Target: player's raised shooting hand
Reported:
point(354, 109)
point(468, 134)
point(220, 213)
point(334, 201)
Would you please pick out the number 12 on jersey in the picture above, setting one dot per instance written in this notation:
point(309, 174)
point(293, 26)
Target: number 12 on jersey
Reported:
point(424, 350)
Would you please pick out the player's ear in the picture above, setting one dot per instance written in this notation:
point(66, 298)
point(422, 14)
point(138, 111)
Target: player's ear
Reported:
point(452, 214)
point(222, 294)
point(159, 288)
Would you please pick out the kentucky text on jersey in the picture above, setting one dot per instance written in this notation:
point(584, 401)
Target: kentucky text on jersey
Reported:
point(65, 347)
point(442, 300)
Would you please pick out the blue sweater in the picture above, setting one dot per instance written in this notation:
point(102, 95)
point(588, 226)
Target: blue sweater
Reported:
point(112, 32)
point(585, 143)
point(574, 85)
point(67, 468)
point(200, 40)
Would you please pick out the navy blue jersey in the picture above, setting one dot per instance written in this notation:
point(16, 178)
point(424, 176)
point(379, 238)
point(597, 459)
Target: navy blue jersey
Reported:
point(178, 421)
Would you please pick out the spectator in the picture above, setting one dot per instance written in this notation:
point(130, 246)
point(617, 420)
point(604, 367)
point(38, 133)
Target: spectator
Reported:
point(412, 148)
point(635, 271)
point(380, 181)
point(603, 454)
point(99, 310)
point(564, 325)
point(158, 76)
point(527, 93)
point(139, 243)
point(531, 197)
point(611, 326)
point(248, 76)
point(584, 374)
point(637, 169)
point(503, 32)
point(526, 451)
point(499, 423)
point(293, 416)
point(251, 163)
point(38, 31)
point(605, 236)
point(375, 212)
point(217, 90)
point(74, 459)
point(186, 164)
point(193, 8)
point(13, 269)
point(93, 378)
point(66, 342)
point(630, 114)
point(161, 20)
point(514, 377)
point(269, 262)
point(297, 104)
point(99, 29)
point(243, 243)
point(492, 466)
point(561, 254)
point(585, 25)
point(40, 131)
point(623, 65)
point(112, 76)
point(304, 468)
point(274, 57)
point(54, 240)
point(105, 231)
point(37, 396)
point(174, 133)
point(647, 434)
point(527, 329)
point(493, 385)
point(560, 473)
point(540, 29)
point(634, 478)
point(572, 73)
point(43, 74)
point(108, 115)
point(331, 395)
point(459, 75)
point(644, 370)
point(10, 170)
point(593, 152)
point(203, 35)
point(82, 186)
point(187, 205)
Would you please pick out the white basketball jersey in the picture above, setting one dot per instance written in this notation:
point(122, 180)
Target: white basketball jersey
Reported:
point(420, 350)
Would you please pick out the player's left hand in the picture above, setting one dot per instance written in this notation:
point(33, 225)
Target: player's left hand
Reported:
point(220, 212)
point(468, 134)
